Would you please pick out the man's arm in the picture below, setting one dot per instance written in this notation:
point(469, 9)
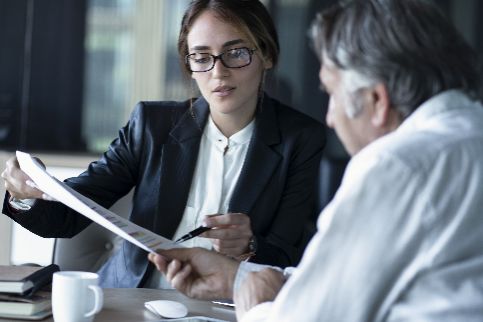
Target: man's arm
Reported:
point(204, 274)
point(197, 272)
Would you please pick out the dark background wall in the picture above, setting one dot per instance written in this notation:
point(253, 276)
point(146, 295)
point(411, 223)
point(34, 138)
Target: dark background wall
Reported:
point(41, 74)
point(42, 67)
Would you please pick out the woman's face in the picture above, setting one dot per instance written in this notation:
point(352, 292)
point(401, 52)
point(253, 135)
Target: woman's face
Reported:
point(231, 92)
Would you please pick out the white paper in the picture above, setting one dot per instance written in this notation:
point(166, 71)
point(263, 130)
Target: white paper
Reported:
point(58, 190)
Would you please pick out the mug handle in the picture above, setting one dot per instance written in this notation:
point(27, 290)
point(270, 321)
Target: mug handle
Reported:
point(99, 301)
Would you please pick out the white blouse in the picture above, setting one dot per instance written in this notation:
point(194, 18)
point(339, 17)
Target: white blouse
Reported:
point(219, 164)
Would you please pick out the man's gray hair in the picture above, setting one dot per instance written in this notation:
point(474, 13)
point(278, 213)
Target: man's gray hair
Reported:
point(353, 82)
point(408, 45)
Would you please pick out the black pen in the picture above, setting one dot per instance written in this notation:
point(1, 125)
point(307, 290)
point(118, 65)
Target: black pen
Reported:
point(192, 234)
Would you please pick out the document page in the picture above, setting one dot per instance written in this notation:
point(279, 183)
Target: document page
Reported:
point(58, 190)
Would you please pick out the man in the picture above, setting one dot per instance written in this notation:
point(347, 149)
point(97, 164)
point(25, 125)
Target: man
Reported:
point(401, 240)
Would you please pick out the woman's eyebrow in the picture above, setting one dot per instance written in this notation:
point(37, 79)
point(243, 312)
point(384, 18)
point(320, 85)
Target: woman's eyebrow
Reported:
point(233, 42)
point(227, 44)
point(200, 48)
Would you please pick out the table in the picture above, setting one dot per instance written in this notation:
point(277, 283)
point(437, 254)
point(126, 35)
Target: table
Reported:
point(127, 305)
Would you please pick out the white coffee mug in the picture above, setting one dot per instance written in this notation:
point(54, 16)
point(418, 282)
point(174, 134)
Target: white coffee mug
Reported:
point(76, 296)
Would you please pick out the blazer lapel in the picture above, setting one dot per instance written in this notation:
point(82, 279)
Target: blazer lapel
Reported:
point(178, 162)
point(261, 160)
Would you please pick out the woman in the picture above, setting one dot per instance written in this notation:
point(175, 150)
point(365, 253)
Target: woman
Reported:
point(233, 159)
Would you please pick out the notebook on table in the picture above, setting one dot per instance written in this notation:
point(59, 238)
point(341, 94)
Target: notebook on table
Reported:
point(33, 307)
point(25, 279)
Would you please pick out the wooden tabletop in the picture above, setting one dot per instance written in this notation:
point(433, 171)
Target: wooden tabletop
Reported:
point(127, 305)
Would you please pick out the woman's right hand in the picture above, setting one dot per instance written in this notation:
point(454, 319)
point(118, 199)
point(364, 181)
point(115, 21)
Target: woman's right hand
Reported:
point(18, 183)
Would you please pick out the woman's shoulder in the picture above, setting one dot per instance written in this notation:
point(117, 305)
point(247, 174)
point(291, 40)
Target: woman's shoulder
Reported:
point(159, 114)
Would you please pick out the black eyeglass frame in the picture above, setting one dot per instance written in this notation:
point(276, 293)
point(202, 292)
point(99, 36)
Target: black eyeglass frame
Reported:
point(220, 58)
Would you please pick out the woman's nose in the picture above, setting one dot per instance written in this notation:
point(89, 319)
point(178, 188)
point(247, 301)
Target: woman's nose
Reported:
point(219, 70)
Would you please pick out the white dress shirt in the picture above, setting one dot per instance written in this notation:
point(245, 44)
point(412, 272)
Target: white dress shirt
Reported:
point(219, 164)
point(402, 240)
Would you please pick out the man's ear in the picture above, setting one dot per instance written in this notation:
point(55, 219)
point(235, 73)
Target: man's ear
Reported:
point(381, 105)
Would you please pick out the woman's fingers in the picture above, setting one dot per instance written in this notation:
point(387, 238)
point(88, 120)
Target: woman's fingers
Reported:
point(227, 219)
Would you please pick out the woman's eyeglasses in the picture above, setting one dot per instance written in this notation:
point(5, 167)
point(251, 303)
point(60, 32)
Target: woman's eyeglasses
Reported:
point(232, 58)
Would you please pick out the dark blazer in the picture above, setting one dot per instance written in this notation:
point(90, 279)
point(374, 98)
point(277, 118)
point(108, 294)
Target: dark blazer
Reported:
point(157, 152)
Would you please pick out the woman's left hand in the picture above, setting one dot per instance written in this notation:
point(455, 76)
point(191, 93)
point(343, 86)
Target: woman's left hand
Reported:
point(231, 234)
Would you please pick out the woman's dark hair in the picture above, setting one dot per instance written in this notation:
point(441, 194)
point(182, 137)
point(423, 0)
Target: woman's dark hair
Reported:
point(409, 45)
point(249, 16)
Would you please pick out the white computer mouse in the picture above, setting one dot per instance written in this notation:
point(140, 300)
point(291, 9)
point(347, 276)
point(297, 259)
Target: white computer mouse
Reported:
point(167, 309)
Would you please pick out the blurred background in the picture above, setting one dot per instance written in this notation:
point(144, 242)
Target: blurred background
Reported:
point(72, 70)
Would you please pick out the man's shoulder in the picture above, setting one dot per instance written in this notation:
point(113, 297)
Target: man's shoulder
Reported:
point(446, 126)
point(420, 150)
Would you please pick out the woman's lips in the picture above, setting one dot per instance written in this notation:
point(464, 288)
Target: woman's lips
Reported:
point(222, 91)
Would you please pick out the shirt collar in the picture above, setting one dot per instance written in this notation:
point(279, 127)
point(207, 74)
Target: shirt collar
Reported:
point(447, 101)
point(241, 137)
